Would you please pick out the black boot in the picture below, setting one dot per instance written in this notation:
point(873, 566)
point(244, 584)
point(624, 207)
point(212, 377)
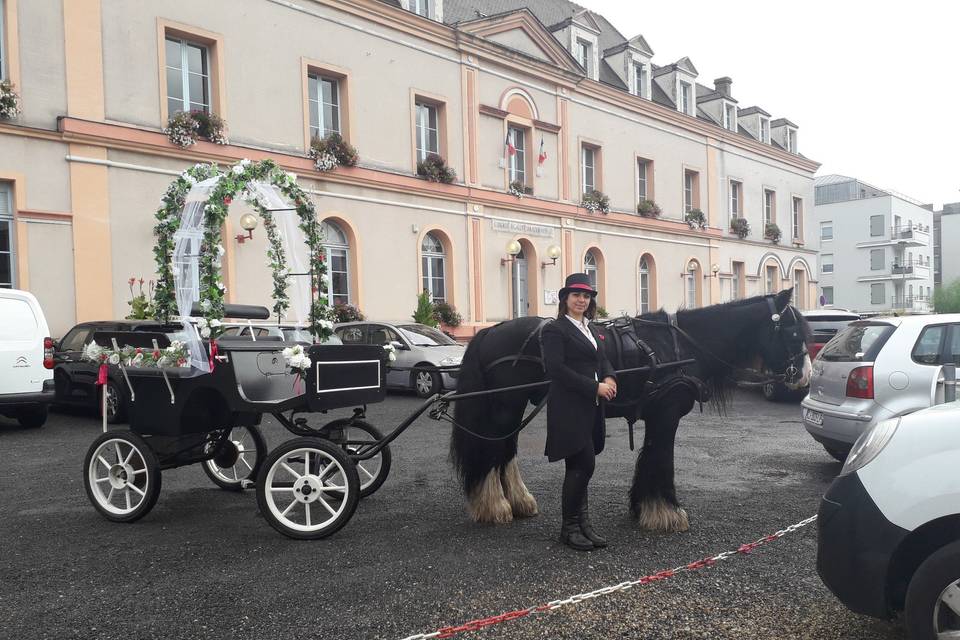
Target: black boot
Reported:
point(586, 528)
point(571, 536)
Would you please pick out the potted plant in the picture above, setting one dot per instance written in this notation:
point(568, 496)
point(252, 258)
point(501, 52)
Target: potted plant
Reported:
point(594, 201)
point(649, 209)
point(772, 232)
point(210, 126)
point(740, 227)
point(332, 151)
point(185, 127)
point(602, 313)
point(423, 314)
point(434, 168)
point(696, 219)
point(517, 189)
point(446, 314)
point(141, 304)
point(9, 101)
point(347, 313)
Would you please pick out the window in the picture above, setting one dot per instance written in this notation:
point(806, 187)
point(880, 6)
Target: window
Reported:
point(6, 238)
point(643, 179)
point(771, 283)
point(878, 293)
point(585, 56)
point(876, 226)
point(434, 268)
point(765, 130)
point(691, 189)
point(685, 98)
point(518, 161)
point(76, 340)
point(928, 347)
point(188, 76)
point(590, 268)
point(428, 132)
point(826, 263)
point(736, 199)
point(827, 295)
point(588, 159)
point(324, 105)
point(338, 259)
point(876, 259)
point(953, 346)
point(736, 283)
point(640, 80)
point(791, 141)
point(769, 206)
point(692, 290)
point(421, 7)
point(797, 218)
point(644, 286)
point(730, 117)
point(826, 230)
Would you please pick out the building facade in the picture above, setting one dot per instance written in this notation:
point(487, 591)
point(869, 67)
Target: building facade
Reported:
point(876, 248)
point(541, 95)
point(946, 241)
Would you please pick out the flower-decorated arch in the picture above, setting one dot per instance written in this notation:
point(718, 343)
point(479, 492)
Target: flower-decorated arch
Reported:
point(227, 186)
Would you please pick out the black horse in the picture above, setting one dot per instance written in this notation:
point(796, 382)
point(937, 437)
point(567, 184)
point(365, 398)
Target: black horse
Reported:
point(760, 338)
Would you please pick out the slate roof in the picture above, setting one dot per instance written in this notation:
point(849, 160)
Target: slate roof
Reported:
point(752, 110)
point(782, 121)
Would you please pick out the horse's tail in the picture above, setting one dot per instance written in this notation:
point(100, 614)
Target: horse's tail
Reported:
point(469, 459)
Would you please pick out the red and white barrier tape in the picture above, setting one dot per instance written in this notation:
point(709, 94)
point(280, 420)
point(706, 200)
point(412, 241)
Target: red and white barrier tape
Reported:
point(476, 625)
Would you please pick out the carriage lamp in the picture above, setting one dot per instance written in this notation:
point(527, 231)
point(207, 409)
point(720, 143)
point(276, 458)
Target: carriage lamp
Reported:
point(248, 222)
point(692, 267)
point(553, 252)
point(513, 248)
point(715, 268)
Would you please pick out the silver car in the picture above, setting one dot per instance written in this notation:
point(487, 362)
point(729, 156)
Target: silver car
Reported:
point(426, 358)
point(878, 369)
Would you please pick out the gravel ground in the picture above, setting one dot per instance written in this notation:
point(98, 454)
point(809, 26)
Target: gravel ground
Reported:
point(204, 564)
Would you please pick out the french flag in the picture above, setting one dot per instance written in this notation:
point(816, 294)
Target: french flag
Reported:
point(543, 153)
point(511, 150)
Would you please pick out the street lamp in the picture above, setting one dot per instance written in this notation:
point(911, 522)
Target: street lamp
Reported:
point(513, 249)
point(248, 222)
point(553, 252)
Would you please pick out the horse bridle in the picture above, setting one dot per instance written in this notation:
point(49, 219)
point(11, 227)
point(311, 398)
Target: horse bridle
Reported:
point(792, 371)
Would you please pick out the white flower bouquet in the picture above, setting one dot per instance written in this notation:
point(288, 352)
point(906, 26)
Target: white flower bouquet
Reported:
point(297, 359)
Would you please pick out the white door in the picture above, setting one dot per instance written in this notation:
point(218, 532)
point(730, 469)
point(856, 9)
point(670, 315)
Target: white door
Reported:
point(21, 347)
point(520, 301)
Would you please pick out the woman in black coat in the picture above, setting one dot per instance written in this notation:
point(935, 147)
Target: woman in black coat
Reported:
point(581, 382)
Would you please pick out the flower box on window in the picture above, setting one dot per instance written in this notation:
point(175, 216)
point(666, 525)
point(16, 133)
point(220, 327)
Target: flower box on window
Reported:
point(772, 232)
point(185, 127)
point(649, 209)
point(332, 151)
point(9, 101)
point(518, 189)
point(594, 201)
point(696, 219)
point(740, 227)
point(434, 168)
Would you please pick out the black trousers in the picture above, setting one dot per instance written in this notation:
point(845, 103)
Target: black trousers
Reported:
point(578, 473)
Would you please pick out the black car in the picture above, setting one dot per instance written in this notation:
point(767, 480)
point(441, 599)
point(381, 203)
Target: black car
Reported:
point(75, 378)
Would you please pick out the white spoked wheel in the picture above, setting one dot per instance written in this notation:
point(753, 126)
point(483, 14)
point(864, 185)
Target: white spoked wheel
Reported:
point(238, 459)
point(308, 488)
point(356, 437)
point(121, 476)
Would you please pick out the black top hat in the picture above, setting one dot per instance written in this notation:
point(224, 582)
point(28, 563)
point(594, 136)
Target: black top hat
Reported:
point(577, 282)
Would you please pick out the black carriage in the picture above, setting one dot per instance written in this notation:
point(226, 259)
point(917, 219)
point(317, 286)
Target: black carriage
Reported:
point(307, 487)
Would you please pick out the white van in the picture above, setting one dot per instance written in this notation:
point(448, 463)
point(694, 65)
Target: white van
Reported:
point(26, 359)
point(889, 526)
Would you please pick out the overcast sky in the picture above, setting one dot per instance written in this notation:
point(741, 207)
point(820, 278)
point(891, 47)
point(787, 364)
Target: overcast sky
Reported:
point(873, 86)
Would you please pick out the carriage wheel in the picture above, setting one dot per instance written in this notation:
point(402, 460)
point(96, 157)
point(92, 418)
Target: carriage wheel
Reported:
point(238, 459)
point(308, 488)
point(121, 476)
point(354, 437)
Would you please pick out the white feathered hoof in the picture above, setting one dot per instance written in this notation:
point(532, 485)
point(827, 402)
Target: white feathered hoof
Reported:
point(522, 503)
point(487, 502)
point(659, 515)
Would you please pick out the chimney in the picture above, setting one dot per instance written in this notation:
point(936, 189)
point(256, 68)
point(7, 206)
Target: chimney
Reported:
point(722, 86)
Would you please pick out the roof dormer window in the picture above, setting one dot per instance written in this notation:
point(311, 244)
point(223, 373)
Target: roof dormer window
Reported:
point(792, 140)
point(584, 51)
point(765, 130)
point(641, 79)
point(685, 98)
point(730, 116)
point(421, 7)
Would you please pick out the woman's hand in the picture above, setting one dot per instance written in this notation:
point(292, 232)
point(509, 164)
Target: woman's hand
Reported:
point(606, 391)
point(610, 380)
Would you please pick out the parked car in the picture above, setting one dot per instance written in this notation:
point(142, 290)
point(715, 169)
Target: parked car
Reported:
point(26, 359)
point(824, 323)
point(75, 379)
point(284, 332)
point(889, 526)
point(877, 369)
point(422, 353)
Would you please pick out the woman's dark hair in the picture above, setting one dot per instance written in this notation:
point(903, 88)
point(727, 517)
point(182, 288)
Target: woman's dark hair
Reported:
point(589, 313)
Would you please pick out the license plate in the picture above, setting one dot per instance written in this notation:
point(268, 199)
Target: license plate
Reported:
point(813, 417)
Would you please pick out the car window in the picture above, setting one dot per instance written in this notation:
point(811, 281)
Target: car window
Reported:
point(858, 342)
point(423, 336)
point(76, 339)
point(953, 348)
point(351, 335)
point(380, 334)
point(927, 350)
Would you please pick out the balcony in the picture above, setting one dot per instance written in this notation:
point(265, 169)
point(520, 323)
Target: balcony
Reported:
point(899, 270)
point(905, 235)
point(912, 304)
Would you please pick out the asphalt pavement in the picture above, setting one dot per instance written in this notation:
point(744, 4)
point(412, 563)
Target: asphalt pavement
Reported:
point(204, 564)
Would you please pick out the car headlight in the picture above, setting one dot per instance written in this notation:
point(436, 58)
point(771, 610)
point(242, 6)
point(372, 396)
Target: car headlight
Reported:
point(451, 361)
point(869, 445)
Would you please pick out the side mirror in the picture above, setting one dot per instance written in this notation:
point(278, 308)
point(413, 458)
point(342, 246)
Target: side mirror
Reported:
point(399, 346)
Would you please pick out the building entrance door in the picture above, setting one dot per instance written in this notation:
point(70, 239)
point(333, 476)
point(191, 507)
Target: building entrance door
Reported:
point(521, 303)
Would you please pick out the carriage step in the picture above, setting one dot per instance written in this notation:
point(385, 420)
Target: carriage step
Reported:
point(247, 484)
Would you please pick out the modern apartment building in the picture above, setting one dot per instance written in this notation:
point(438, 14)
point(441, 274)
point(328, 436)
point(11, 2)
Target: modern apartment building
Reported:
point(876, 248)
point(537, 93)
point(946, 244)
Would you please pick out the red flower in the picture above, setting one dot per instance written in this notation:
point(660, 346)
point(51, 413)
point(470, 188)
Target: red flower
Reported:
point(227, 200)
point(156, 355)
point(138, 351)
point(131, 281)
point(600, 335)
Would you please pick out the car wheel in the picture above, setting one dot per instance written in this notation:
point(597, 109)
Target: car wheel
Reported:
point(840, 455)
point(932, 608)
point(426, 383)
point(116, 403)
point(33, 417)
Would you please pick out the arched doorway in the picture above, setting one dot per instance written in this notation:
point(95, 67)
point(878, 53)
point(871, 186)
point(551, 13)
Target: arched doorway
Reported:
point(693, 284)
point(337, 246)
point(521, 285)
point(433, 262)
